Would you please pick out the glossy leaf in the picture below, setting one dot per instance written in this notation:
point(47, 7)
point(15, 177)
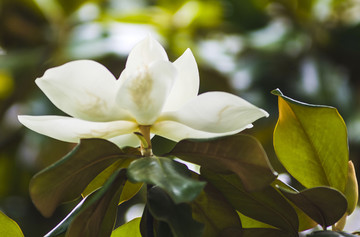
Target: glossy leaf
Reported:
point(170, 175)
point(311, 143)
point(177, 216)
point(324, 205)
point(66, 179)
point(240, 154)
point(131, 228)
point(267, 205)
point(95, 214)
point(8, 227)
point(212, 209)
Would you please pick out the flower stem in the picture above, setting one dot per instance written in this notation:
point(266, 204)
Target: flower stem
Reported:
point(145, 148)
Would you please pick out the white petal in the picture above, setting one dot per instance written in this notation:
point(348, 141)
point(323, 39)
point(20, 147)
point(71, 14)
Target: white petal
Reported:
point(72, 130)
point(144, 92)
point(186, 86)
point(84, 89)
point(144, 53)
point(177, 131)
point(126, 140)
point(216, 112)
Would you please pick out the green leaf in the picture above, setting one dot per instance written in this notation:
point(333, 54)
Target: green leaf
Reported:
point(66, 179)
point(266, 205)
point(311, 143)
point(324, 205)
point(177, 216)
point(101, 178)
point(8, 227)
point(96, 213)
point(212, 209)
point(328, 233)
point(129, 191)
point(248, 222)
point(170, 175)
point(240, 154)
point(131, 228)
point(305, 222)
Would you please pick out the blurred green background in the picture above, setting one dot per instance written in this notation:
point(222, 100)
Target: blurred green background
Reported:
point(310, 49)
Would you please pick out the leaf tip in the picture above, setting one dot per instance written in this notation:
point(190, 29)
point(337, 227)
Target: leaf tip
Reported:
point(277, 92)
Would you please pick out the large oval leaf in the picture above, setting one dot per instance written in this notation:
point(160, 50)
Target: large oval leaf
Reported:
point(213, 210)
point(177, 216)
point(8, 227)
point(170, 175)
point(240, 154)
point(95, 214)
point(66, 179)
point(323, 204)
point(311, 143)
point(266, 205)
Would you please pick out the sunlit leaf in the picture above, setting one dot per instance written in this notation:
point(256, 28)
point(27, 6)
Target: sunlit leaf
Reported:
point(95, 214)
point(132, 228)
point(101, 178)
point(212, 209)
point(8, 227)
point(130, 190)
point(241, 154)
point(351, 189)
point(325, 205)
point(266, 205)
point(248, 222)
point(177, 216)
point(170, 175)
point(66, 179)
point(311, 143)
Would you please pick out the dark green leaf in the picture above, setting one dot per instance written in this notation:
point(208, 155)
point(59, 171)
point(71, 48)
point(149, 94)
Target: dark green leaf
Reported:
point(130, 229)
point(170, 175)
point(212, 209)
point(163, 230)
point(96, 213)
point(311, 143)
point(324, 205)
point(266, 205)
point(66, 179)
point(177, 216)
point(240, 154)
point(8, 227)
point(305, 222)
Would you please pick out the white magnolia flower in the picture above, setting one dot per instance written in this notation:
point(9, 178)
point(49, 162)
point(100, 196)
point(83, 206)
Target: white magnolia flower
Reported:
point(151, 91)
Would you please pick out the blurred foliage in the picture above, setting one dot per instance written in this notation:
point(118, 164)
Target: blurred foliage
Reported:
point(309, 48)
